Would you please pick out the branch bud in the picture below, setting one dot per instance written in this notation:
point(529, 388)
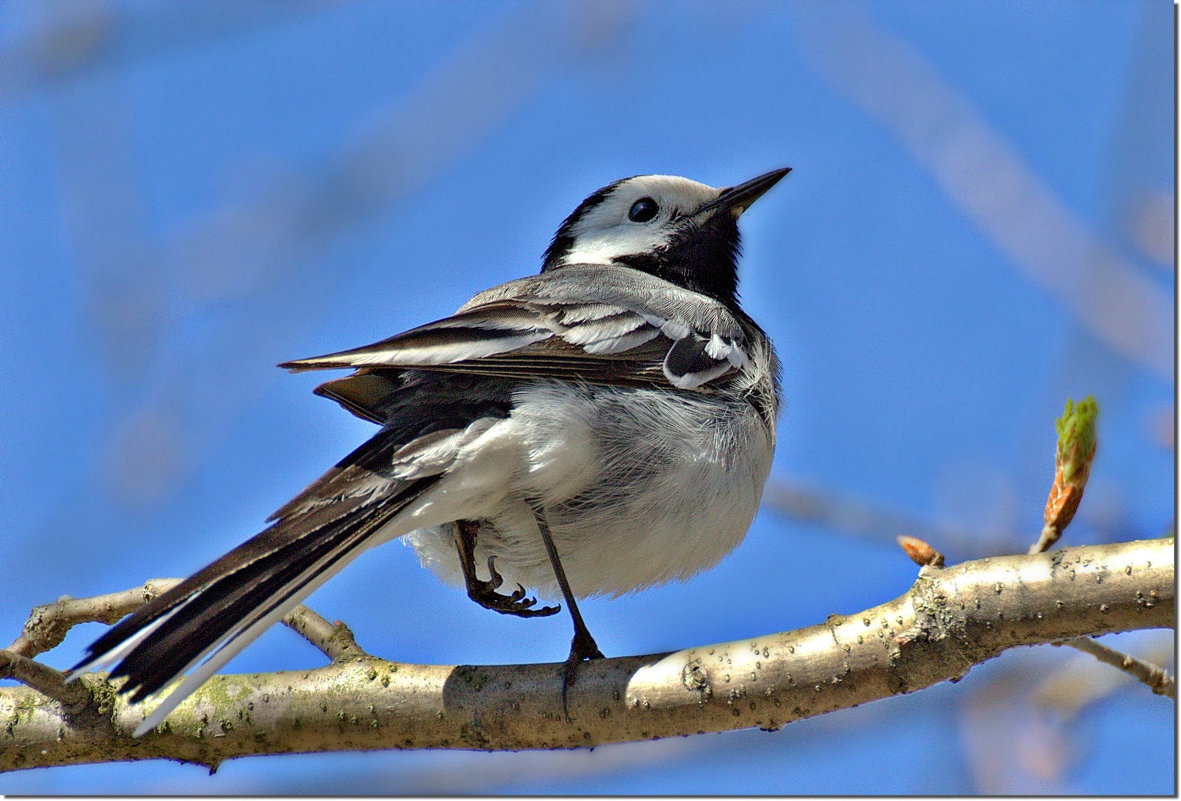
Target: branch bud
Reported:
point(1072, 467)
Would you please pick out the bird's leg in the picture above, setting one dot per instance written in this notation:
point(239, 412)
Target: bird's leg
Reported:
point(583, 645)
point(484, 592)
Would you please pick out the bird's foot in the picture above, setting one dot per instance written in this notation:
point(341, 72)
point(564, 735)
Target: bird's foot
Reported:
point(582, 648)
point(484, 593)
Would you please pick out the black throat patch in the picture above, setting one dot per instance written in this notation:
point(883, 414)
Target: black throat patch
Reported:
point(701, 257)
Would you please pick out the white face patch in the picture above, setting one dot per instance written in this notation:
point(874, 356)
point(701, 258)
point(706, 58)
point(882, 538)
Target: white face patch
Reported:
point(606, 232)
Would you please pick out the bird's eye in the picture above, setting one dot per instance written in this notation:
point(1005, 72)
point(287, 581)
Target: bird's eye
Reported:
point(643, 210)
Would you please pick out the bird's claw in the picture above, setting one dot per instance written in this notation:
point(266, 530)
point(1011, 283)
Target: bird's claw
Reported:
point(484, 593)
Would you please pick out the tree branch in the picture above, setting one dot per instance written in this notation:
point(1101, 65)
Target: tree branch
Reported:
point(44, 679)
point(48, 624)
point(1155, 677)
point(335, 640)
point(951, 619)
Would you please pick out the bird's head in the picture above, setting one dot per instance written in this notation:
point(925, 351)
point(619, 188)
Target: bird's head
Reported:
point(676, 229)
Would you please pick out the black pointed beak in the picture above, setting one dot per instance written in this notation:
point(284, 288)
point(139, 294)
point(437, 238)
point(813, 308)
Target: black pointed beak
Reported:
point(739, 198)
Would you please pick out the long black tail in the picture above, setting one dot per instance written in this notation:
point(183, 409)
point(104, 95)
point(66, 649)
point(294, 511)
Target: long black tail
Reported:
point(220, 609)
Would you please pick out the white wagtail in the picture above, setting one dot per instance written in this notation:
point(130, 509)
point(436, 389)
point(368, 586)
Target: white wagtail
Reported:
point(604, 426)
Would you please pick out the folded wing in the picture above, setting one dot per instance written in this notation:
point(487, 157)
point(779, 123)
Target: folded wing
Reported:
point(582, 323)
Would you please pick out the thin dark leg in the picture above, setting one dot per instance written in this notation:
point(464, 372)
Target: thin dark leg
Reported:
point(484, 592)
point(583, 645)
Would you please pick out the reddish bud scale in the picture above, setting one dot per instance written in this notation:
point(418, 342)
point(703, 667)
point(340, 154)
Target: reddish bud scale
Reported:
point(920, 551)
point(1065, 494)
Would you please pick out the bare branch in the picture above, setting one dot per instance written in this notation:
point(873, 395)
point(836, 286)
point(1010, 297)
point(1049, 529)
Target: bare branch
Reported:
point(335, 640)
point(848, 514)
point(47, 625)
point(42, 678)
point(946, 132)
point(1155, 677)
point(1082, 682)
point(951, 619)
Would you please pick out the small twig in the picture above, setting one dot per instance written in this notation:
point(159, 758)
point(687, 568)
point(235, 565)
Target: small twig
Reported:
point(1048, 537)
point(1083, 682)
point(41, 678)
point(1155, 677)
point(851, 515)
point(335, 640)
point(48, 624)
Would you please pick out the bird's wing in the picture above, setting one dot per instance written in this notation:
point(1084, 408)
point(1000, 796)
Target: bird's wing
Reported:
point(583, 323)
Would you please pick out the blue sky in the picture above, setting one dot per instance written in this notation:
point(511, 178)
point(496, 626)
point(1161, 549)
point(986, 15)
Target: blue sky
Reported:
point(978, 225)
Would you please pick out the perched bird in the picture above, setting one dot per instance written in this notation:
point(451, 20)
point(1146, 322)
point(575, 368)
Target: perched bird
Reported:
point(604, 426)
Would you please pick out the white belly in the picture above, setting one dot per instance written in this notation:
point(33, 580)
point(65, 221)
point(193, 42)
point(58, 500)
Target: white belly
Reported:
point(637, 486)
